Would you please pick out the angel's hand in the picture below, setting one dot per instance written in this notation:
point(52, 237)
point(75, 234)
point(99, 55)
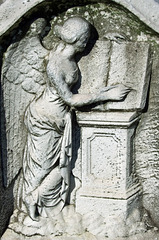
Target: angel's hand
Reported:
point(106, 89)
point(116, 92)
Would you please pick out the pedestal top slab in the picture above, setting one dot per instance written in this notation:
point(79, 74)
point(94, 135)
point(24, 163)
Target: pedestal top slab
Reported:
point(107, 118)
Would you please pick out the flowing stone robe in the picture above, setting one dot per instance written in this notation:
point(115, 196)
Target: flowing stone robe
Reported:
point(47, 155)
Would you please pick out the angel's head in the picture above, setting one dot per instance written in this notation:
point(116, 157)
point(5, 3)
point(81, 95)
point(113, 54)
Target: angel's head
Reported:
point(75, 31)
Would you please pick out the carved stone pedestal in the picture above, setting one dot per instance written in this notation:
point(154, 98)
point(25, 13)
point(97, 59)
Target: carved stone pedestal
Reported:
point(109, 185)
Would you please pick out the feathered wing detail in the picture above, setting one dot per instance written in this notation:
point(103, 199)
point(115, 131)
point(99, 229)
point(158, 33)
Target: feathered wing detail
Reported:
point(23, 76)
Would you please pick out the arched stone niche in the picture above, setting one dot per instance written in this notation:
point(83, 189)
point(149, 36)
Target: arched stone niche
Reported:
point(114, 25)
point(20, 8)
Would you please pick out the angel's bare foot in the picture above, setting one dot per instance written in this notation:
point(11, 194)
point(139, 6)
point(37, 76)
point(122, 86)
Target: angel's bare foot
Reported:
point(31, 207)
point(118, 92)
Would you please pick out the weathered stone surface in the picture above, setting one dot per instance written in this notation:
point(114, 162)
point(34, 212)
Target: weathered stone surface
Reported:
point(23, 75)
point(109, 189)
point(146, 147)
point(6, 204)
point(67, 222)
point(147, 11)
point(130, 64)
point(10, 235)
point(107, 158)
point(94, 67)
point(126, 63)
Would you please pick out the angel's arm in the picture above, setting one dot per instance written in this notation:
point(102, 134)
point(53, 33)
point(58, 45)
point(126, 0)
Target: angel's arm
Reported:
point(74, 100)
point(112, 93)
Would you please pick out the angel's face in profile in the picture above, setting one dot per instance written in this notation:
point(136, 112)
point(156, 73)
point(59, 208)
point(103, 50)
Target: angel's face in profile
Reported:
point(75, 31)
point(80, 44)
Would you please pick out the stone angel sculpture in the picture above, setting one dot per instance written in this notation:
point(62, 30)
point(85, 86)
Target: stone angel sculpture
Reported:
point(47, 77)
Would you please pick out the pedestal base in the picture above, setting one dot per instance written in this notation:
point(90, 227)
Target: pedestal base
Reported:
point(108, 208)
point(111, 217)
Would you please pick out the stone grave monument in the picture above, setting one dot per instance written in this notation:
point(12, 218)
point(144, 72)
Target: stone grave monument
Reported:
point(75, 96)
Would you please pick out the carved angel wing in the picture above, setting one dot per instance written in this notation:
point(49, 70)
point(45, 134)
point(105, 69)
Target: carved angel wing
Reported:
point(23, 76)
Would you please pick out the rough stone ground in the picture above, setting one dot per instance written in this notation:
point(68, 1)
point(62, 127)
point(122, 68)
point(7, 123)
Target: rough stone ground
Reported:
point(150, 235)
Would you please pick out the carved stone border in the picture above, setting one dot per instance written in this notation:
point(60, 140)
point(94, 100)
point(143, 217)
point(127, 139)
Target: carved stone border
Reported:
point(12, 11)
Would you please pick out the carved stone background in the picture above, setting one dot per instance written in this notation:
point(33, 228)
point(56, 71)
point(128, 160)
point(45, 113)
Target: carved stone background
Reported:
point(108, 19)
